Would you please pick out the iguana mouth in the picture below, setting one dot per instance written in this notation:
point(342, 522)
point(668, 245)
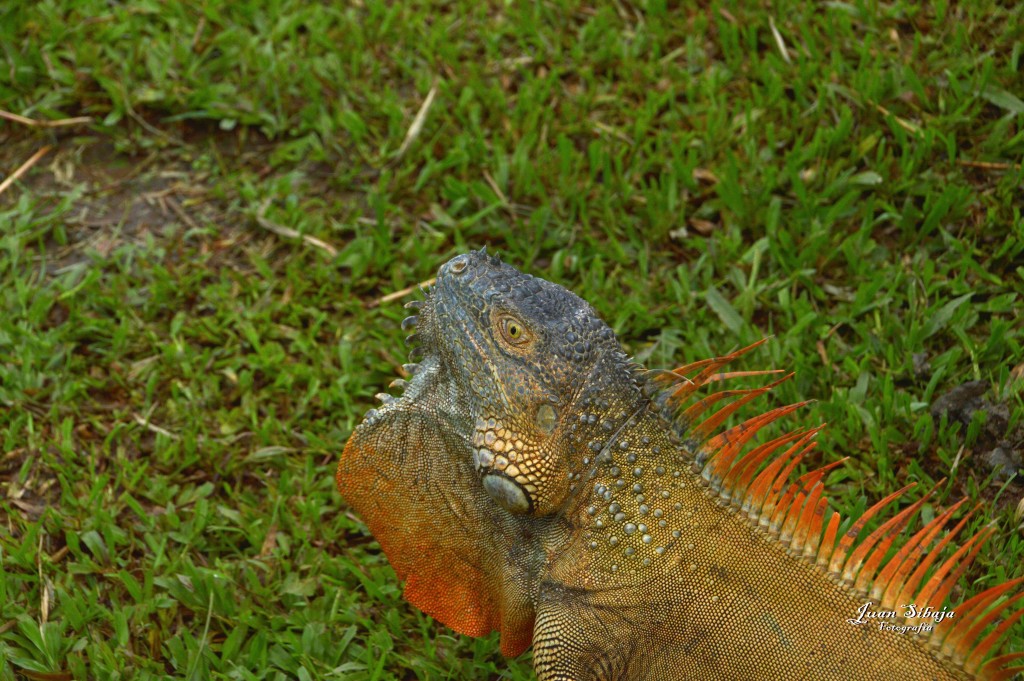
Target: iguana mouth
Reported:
point(429, 343)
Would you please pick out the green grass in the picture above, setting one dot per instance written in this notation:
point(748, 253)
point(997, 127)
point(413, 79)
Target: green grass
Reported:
point(176, 381)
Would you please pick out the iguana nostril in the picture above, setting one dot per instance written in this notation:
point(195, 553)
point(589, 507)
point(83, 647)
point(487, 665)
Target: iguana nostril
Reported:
point(458, 265)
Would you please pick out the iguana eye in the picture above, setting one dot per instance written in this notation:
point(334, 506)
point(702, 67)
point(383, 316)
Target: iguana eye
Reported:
point(514, 331)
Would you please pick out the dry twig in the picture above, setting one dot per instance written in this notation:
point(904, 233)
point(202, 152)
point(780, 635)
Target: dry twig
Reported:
point(417, 123)
point(33, 123)
point(988, 165)
point(23, 168)
point(180, 212)
point(144, 422)
point(912, 128)
point(779, 41)
point(401, 294)
point(290, 233)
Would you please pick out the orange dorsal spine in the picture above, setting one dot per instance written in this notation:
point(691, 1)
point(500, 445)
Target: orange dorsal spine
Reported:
point(757, 482)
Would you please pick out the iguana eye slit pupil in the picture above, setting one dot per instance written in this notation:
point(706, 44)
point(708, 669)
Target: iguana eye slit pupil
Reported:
point(513, 331)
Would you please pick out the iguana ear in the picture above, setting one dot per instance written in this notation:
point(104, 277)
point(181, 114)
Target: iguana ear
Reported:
point(464, 559)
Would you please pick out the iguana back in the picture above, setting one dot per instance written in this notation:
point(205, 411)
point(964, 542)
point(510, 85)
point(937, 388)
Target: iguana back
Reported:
point(532, 479)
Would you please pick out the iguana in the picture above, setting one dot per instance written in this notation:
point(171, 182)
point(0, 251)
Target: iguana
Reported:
point(532, 479)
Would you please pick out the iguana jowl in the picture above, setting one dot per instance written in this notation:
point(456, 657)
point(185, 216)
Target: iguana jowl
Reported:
point(531, 479)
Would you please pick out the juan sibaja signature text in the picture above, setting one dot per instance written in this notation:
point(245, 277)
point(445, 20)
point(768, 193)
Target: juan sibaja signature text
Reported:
point(866, 613)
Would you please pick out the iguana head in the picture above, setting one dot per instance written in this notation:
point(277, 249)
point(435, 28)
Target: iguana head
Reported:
point(458, 477)
point(515, 352)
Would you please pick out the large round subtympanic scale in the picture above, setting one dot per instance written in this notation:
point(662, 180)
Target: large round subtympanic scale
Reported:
point(506, 493)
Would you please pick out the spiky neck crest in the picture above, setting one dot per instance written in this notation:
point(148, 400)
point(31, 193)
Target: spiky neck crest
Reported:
point(757, 482)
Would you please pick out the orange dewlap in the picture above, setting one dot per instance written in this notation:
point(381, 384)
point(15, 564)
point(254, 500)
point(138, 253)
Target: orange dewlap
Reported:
point(442, 571)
